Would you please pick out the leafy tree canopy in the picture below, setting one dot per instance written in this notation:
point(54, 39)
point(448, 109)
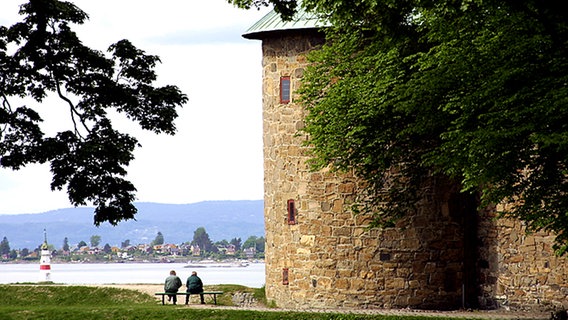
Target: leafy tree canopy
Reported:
point(65, 244)
point(125, 244)
point(159, 240)
point(4, 246)
point(255, 242)
point(474, 91)
point(237, 243)
point(201, 238)
point(286, 8)
point(41, 56)
point(95, 240)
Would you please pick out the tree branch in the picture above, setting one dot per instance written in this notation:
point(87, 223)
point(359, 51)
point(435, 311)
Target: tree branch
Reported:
point(73, 111)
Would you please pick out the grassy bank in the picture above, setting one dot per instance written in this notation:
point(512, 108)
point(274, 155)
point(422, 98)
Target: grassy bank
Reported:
point(18, 302)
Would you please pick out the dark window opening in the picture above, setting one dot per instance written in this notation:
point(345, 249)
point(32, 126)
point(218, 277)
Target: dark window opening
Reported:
point(291, 212)
point(285, 276)
point(284, 90)
point(384, 256)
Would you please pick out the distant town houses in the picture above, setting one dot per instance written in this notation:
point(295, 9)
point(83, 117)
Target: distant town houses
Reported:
point(140, 252)
point(195, 250)
point(250, 252)
point(229, 250)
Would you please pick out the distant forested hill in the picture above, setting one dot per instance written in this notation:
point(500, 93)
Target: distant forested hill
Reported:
point(177, 222)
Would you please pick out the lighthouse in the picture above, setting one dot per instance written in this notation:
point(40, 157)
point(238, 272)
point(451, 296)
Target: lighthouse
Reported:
point(45, 261)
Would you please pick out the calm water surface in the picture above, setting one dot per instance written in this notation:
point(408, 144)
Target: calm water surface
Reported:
point(107, 273)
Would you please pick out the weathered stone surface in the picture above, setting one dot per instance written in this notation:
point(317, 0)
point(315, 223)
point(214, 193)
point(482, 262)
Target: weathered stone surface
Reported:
point(244, 299)
point(335, 261)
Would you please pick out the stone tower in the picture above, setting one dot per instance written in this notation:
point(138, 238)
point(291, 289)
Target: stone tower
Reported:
point(320, 255)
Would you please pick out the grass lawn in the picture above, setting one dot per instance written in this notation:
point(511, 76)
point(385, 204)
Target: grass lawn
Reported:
point(54, 302)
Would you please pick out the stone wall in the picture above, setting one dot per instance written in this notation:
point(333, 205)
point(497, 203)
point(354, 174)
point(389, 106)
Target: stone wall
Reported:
point(444, 256)
point(244, 300)
point(331, 258)
point(521, 269)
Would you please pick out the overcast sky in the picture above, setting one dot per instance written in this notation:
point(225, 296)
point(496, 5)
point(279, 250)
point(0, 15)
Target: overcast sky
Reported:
point(217, 152)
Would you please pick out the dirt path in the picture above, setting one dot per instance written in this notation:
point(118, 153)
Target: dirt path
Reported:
point(485, 314)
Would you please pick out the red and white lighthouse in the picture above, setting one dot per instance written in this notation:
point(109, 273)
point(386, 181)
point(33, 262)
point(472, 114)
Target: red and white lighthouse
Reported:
point(45, 261)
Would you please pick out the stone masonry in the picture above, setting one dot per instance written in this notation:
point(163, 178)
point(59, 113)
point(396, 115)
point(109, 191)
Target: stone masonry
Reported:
point(445, 256)
point(520, 270)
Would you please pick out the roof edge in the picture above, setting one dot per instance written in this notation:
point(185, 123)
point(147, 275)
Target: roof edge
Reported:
point(272, 22)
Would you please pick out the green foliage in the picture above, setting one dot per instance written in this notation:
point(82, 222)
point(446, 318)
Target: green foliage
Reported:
point(159, 239)
point(260, 295)
point(201, 238)
point(285, 7)
point(32, 302)
point(43, 295)
point(469, 91)
point(65, 244)
point(237, 243)
point(95, 240)
point(42, 56)
point(4, 247)
point(255, 242)
point(125, 244)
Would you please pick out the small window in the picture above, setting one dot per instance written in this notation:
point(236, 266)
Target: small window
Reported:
point(285, 276)
point(291, 211)
point(284, 90)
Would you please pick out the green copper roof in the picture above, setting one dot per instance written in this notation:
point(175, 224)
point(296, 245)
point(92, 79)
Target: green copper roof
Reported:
point(272, 22)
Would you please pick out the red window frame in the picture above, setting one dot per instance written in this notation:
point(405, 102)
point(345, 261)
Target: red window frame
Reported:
point(285, 276)
point(291, 207)
point(285, 89)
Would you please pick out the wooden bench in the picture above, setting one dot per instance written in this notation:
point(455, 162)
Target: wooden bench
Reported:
point(211, 293)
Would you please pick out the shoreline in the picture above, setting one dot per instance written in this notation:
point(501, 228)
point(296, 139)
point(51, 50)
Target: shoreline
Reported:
point(159, 261)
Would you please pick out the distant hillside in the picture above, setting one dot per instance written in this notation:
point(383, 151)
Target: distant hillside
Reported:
point(177, 222)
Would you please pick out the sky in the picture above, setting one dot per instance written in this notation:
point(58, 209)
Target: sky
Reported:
point(217, 151)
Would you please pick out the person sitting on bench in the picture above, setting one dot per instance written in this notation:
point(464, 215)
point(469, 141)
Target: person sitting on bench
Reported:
point(172, 285)
point(194, 286)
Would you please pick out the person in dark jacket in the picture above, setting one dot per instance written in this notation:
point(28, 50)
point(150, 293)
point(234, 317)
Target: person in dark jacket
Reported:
point(172, 285)
point(194, 286)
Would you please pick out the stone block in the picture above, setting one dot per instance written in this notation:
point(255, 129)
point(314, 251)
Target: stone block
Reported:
point(403, 272)
point(396, 283)
point(515, 259)
point(345, 273)
point(410, 244)
point(341, 232)
point(307, 240)
point(341, 284)
point(346, 188)
point(429, 267)
point(337, 205)
point(356, 286)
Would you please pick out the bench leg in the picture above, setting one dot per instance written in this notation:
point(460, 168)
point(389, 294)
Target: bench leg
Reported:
point(163, 299)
